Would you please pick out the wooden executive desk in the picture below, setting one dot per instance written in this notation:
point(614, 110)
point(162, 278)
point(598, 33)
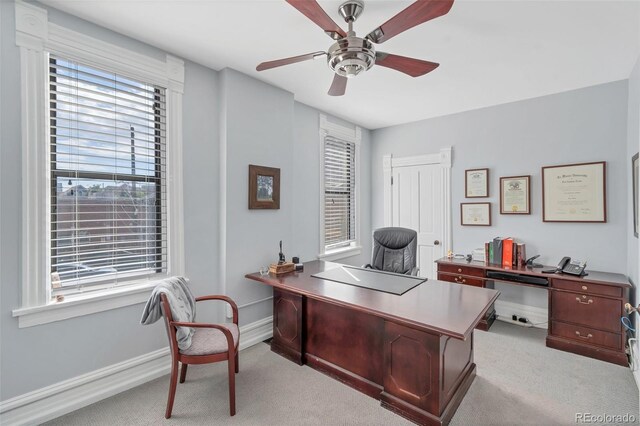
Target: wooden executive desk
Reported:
point(412, 352)
point(584, 312)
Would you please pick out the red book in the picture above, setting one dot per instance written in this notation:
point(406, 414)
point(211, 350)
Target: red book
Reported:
point(507, 253)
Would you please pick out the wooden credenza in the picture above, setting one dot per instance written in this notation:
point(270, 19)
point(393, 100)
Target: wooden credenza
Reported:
point(584, 312)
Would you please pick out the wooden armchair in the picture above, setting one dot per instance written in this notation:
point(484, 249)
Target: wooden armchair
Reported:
point(210, 343)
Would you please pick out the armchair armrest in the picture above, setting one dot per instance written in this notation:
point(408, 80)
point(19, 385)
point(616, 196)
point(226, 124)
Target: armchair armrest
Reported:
point(225, 330)
point(234, 307)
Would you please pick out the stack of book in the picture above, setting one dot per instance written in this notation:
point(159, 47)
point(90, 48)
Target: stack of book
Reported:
point(505, 252)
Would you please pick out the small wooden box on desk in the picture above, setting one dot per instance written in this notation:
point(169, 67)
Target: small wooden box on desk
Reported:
point(282, 268)
point(584, 312)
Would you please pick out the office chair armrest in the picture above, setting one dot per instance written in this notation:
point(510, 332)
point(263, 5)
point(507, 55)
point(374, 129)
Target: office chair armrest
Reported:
point(415, 271)
point(234, 307)
point(225, 330)
point(368, 265)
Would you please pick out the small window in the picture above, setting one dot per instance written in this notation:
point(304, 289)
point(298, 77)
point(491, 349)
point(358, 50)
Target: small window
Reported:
point(107, 162)
point(339, 193)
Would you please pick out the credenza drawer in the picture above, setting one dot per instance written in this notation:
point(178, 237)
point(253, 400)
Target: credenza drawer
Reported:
point(584, 309)
point(586, 335)
point(461, 270)
point(461, 279)
point(587, 287)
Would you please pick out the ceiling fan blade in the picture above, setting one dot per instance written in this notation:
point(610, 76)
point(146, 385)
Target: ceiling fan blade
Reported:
point(286, 61)
point(410, 66)
point(417, 13)
point(339, 85)
point(312, 10)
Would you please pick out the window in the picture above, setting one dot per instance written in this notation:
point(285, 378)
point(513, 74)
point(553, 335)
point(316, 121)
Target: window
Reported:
point(339, 227)
point(107, 162)
point(339, 193)
point(102, 211)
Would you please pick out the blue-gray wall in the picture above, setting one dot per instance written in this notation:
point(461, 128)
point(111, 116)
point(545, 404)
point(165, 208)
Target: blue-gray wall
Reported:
point(263, 125)
point(518, 139)
point(633, 146)
point(259, 122)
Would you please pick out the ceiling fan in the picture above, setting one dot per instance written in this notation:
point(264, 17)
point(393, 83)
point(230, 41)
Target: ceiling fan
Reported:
point(350, 55)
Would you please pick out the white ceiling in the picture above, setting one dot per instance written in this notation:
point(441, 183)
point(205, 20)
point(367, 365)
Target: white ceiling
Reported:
point(491, 52)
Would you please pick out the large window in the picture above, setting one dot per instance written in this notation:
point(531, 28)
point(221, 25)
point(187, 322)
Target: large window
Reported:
point(340, 190)
point(107, 157)
point(339, 193)
point(102, 211)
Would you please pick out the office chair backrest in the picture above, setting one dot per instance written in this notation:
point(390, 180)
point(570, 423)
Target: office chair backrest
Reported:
point(394, 250)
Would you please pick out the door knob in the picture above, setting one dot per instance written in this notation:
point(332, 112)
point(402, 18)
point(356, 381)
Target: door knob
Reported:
point(436, 243)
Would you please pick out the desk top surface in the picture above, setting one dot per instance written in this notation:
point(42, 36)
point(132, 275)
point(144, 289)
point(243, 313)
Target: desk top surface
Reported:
point(606, 278)
point(437, 306)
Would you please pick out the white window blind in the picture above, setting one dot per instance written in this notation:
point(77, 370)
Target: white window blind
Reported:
point(339, 193)
point(108, 192)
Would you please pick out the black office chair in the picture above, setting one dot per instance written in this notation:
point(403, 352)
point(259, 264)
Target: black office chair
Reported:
point(394, 250)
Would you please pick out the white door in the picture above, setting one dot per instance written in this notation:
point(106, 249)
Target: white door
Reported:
point(417, 203)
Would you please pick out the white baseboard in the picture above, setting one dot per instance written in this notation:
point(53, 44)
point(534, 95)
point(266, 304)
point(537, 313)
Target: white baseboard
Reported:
point(256, 332)
point(63, 397)
point(635, 352)
point(538, 317)
point(69, 395)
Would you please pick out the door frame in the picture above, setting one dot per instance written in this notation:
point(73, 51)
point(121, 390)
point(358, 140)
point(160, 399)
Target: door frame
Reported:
point(441, 158)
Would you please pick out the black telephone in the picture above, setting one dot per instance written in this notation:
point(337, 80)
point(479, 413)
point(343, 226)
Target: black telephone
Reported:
point(566, 266)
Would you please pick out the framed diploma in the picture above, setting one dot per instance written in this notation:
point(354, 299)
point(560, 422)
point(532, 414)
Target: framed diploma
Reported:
point(515, 195)
point(636, 212)
point(574, 193)
point(475, 214)
point(476, 183)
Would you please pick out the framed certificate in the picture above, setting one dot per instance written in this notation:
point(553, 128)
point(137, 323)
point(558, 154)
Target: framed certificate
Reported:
point(574, 193)
point(476, 183)
point(515, 195)
point(475, 214)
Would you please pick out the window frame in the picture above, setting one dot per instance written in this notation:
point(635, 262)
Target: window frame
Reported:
point(352, 135)
point(37, 38)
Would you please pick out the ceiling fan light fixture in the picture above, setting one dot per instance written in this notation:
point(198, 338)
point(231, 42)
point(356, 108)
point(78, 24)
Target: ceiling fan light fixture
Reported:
point(350, 56)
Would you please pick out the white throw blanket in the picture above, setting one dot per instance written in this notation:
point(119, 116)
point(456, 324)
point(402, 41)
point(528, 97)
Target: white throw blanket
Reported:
point(182, 303)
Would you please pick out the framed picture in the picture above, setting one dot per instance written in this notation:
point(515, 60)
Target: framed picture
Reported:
point(264, 187)
point(475, 214)
point(636, 212)
point(476, 183)
point(515, 195)
point(574, 193)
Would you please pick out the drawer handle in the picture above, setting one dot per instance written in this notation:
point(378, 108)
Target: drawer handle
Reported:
point(584, 302)
point(460, 280)
point(459, 269)
point(584, 287)
point(588, 336)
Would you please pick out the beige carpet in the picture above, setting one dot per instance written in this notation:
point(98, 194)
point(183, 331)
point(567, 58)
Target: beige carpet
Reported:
point(519, 382)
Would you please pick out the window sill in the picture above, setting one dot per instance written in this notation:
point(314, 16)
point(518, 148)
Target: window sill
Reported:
point(84, 304)
point(340, 253)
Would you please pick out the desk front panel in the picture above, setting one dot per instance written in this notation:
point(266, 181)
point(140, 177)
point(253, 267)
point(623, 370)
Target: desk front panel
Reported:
point(345, 337)
point(420, 374)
